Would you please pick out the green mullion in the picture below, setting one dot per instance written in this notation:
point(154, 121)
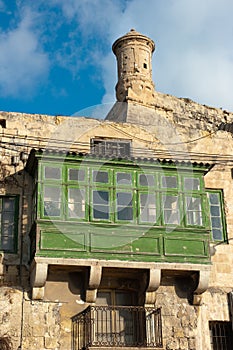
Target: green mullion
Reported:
point(205, 210)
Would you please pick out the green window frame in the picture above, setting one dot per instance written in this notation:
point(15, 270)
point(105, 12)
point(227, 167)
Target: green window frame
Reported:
point(217, 215)
point(9, 207)
point(112, 193)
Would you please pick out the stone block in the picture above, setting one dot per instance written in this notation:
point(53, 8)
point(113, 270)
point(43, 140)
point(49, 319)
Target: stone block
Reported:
point(173, 344)
point(184, 345)
point(51, 342)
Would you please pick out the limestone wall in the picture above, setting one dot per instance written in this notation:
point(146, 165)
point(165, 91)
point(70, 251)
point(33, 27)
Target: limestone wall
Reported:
point(172, 128)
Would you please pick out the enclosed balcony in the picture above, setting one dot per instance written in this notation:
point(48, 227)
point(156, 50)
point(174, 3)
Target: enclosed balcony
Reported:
point(91, 211)
point(117, 327)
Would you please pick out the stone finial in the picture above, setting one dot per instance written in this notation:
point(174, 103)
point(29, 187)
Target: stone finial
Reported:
point(134, 52)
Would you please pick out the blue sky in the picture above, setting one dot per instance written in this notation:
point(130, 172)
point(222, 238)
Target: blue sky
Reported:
point(56, 58)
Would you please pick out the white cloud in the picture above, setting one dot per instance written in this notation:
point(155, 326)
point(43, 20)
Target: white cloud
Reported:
point(194, 56)
point(23, 65)
point(194, 51)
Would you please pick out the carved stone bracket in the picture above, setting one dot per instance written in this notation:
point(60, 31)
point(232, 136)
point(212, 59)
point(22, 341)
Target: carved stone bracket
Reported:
point(94, 282)
point(154, 283)
point(38, 278)
point(202, 286)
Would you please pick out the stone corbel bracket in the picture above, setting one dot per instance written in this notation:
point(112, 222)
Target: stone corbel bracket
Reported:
point(203, 284)
point(154, 283)
point(38, 276)
point(93, 283)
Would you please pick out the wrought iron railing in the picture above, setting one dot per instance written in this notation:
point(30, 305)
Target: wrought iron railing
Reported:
point(117, 326)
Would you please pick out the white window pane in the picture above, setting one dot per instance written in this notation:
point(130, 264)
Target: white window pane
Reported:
point(52, 201)
point(76, 203)
point(147, 207)
point(191, 183)
point(146, 180)
point(193, 211)
point(52, 173)
point(76, 174)
point(171, 210)
point(169, 181)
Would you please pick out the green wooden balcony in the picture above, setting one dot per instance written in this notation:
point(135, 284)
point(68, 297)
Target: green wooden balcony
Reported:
point(95, 208)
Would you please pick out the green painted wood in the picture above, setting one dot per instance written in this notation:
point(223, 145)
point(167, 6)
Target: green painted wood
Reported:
point(185, 247)
point(59, 241)
point(115, 242)
point(109, 238)
point(126, 244)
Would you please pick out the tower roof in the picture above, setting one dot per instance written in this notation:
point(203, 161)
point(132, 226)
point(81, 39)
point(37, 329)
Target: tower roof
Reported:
point(133, 35)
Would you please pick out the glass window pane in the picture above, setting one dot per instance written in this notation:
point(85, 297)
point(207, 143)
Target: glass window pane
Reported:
point(125, 206)
point(100, 176)
point(124, 198)
point(52, 173)
point(193, 211)
point(7, 242)
point(7, 218)
point(147, 207)
point(8, 204)
point(171, 210)
point(214, 198)
point(52, 201)
point(146, 180)
point(7, 229)
point(169, 181)
point(101, 197)
point(191, 183)
point(101, 205)
point(76, 174)
point(7, 222)
point(125, 214)
point(76, 203)
point(215, 210)
point(217, 234)
point(216, 218)
point(123, 298)
point(216, 222)
point(124, 179)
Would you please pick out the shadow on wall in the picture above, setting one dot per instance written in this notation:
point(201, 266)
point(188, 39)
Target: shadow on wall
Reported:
point(5, 343)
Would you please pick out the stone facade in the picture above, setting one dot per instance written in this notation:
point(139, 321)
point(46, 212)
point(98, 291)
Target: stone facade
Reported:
point(159, 126)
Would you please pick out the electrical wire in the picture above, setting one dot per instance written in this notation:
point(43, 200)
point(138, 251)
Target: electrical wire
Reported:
point(42, 142)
